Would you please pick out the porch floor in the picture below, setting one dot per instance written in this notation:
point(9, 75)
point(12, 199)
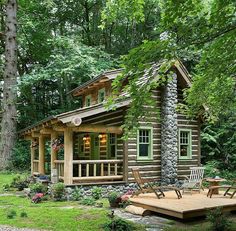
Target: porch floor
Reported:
point(187, 207)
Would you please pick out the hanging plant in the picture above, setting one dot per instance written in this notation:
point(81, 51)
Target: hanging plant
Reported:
point(57, 144)
point(34, 144)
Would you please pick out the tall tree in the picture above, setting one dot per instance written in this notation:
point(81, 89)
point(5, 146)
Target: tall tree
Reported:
point(198, 32)
point(8, 126)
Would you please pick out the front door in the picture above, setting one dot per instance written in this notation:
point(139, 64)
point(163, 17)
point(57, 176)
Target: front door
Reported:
point(95, 154)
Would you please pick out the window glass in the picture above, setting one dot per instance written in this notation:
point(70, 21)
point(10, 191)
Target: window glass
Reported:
point(112, 143)
point(185, 143)
point(144, 144)
point(88, 101)
point(101, 95)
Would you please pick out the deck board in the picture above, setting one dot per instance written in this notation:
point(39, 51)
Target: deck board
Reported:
point(189, 206)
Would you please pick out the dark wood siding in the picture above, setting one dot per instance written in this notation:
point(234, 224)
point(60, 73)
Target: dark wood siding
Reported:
point(149, 169)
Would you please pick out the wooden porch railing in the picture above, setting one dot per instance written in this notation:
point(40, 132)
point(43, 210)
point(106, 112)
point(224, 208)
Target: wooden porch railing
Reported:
point(97, 170)
point(59, 164)
point(35, 166)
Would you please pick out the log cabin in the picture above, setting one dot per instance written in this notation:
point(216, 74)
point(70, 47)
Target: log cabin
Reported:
point(85, 145)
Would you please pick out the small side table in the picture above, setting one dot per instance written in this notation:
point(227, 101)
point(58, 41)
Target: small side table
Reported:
point(215, 182)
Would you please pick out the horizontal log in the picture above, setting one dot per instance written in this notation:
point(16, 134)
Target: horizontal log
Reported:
point(35, 173)
point(96, 161)
point(59, 161)
point(98, 129)
point(97, 178)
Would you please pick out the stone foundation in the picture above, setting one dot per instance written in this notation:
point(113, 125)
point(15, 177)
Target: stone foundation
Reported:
point(106, 189)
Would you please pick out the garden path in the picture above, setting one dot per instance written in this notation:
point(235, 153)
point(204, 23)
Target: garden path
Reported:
point(10, 228)
point(154, 223)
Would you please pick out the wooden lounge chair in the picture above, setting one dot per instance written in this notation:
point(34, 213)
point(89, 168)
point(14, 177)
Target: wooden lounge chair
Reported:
point(194, 181)
point(230, 189)
point(146, 186)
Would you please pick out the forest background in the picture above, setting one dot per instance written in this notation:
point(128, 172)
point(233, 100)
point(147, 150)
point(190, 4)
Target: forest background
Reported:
point(62, 44)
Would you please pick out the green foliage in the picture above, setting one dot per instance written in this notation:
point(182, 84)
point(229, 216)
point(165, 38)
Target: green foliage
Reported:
point(112, 197)
point(212, 168)
point(132, 10)
point(76, 194)
point(96, 192)
point(6, 187)
point(71, 64)
point(38, 188)
point(20, 182)
point(219, 143)
point(11, 214)
point(58, 191)
point(218, 220)
point(118, 224)
point(51, 215)
point(20, 159)
point(88, 201)
point(23, 214)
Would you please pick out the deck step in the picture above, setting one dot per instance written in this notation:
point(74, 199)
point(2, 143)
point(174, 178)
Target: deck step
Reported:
point(136, 210)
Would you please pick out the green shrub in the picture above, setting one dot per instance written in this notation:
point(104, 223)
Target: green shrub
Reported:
point(96, 192)
point(20, 159)
point(38, 188)
point(118, 225)
point(218, 220)
point(20, 182)
point(6, 187)
point(76, 194)
point(88, 201)
point(114, 199)
point(11, 214)
point(58, 191)
point(46, 198)
point(23, 214)
point(212, 168)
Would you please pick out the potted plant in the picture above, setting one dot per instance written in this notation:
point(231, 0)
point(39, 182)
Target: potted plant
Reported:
point(114, 199)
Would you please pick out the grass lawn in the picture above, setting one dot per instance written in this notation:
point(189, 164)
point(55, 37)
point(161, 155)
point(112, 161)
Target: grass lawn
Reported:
point(61, 216)
point(5, 178)
point(51, 215)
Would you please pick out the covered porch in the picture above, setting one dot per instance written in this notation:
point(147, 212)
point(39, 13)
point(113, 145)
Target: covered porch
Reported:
point(76, 155)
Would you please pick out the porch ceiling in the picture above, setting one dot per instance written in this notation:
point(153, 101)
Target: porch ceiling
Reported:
point(60, 122)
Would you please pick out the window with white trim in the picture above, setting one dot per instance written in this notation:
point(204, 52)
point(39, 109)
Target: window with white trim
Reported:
point(101, 95)
point(88, 100)
point(185, 143)
point(145, 143)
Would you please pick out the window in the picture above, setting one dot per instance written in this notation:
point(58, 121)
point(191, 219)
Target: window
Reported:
point(112, 145)
point(87, 100)
point(144, 143)
point(185, 144)
point(101, 95)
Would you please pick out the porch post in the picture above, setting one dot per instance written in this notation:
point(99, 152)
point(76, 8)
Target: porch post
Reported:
point(32, 152)
point(125, 161)
point(41, 154)
point(68, 156)
point(53, 152)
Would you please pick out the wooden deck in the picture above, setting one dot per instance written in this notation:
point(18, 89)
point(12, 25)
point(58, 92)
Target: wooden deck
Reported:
point(189, 206)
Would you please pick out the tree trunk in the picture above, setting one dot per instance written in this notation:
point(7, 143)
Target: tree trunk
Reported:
point(8, 125)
